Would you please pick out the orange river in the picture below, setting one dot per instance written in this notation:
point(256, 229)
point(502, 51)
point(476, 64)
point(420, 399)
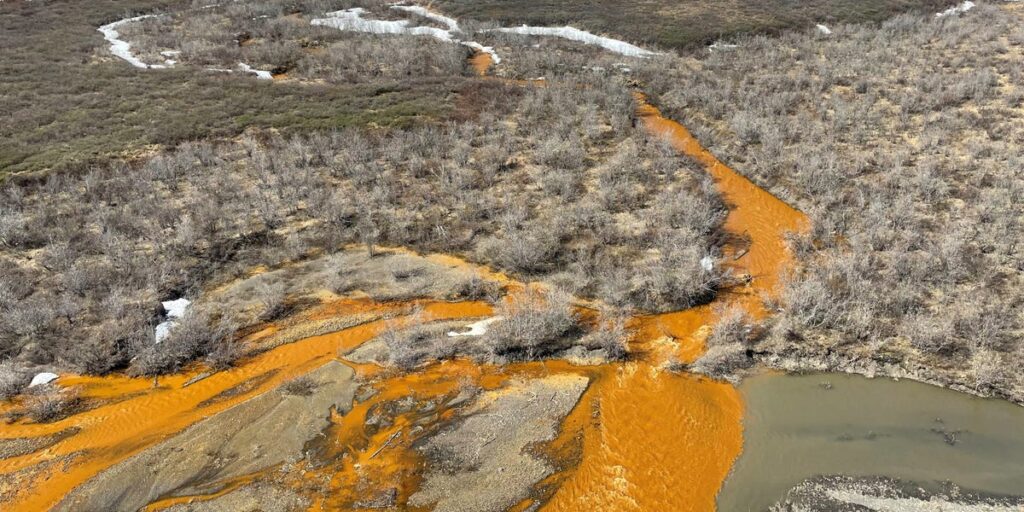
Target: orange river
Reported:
point(648, 438)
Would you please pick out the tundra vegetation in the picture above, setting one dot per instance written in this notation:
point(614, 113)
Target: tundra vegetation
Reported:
point(68, 103)
point(683, 24)
point(896, 137)
point(551, 183)
point(901, 142)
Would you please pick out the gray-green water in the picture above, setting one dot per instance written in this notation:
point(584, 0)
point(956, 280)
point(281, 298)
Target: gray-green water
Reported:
point(797, 427)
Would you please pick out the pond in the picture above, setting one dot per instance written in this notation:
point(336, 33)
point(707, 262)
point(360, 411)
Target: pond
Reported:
point(798, 427)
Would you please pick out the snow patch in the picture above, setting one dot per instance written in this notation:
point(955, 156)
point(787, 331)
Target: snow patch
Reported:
point(481, 48)
point(123, 49)
point(581, 36)
point(707, 263)
point(718, 45)
point(262, 75)
point(453, 26)
point(42, 378)
point(476, 328)
point(823, 29)
point(352, 20)
point(957, 9)
point(175, 310)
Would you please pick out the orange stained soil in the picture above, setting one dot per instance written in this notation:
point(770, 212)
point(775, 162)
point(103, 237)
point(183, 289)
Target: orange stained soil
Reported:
point(481, 62)
point(753, 213)
point(666, 441)
point(645, 438)
point(369, 459)
point(111, 433)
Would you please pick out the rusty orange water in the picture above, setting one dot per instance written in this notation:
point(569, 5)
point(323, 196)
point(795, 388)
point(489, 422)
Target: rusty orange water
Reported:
point(481, 62)
point(111, 433)
point(651, 439)
point(753, 213)
point(665, 441)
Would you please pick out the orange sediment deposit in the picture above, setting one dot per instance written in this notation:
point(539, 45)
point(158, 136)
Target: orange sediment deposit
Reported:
point(111, 433)
point(753, 213)
point(645, 438)
point(367, 454)
point(658, 441)
point(481, 62)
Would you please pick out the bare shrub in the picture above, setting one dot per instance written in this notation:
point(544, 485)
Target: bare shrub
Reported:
point(728, 346)
point(407, 340)
point(534, 323)
point(197, 333)
point(473, 286)
point(272, 301)
point(299, 386)
point(50, 403)
point(13, 379)
point(610, 335)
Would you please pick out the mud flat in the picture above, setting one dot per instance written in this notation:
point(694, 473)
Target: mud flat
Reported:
point(482, 463)
point(801, 427)
point(264, 431)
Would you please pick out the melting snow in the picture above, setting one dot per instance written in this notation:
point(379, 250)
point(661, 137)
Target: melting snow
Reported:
point(707, 263)
point(175, 309)
point(957, 9)
point(476, 328)
point(481, 48)
point(42, 378)
point(581, 36)
point(352, 20)
point(453, 26)
point(121, 48)
point(824, 30)
point(262, 75)
point(718, 45)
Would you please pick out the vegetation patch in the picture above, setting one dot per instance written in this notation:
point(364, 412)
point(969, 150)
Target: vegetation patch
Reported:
point(683, 24)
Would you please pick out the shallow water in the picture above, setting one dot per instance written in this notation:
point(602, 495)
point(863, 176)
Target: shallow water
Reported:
point(797, 428)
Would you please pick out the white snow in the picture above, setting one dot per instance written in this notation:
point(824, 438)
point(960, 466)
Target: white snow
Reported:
point(957, 9)
point(42, 378)
point(123, 49)
point(352, 20)
point(581, 36)
point(707, 263)
point(823, 29)
point(476, 328)
point(718, 45)
point(175, 309)
point(481, 48)
point(262, 75)
point(453, 26)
